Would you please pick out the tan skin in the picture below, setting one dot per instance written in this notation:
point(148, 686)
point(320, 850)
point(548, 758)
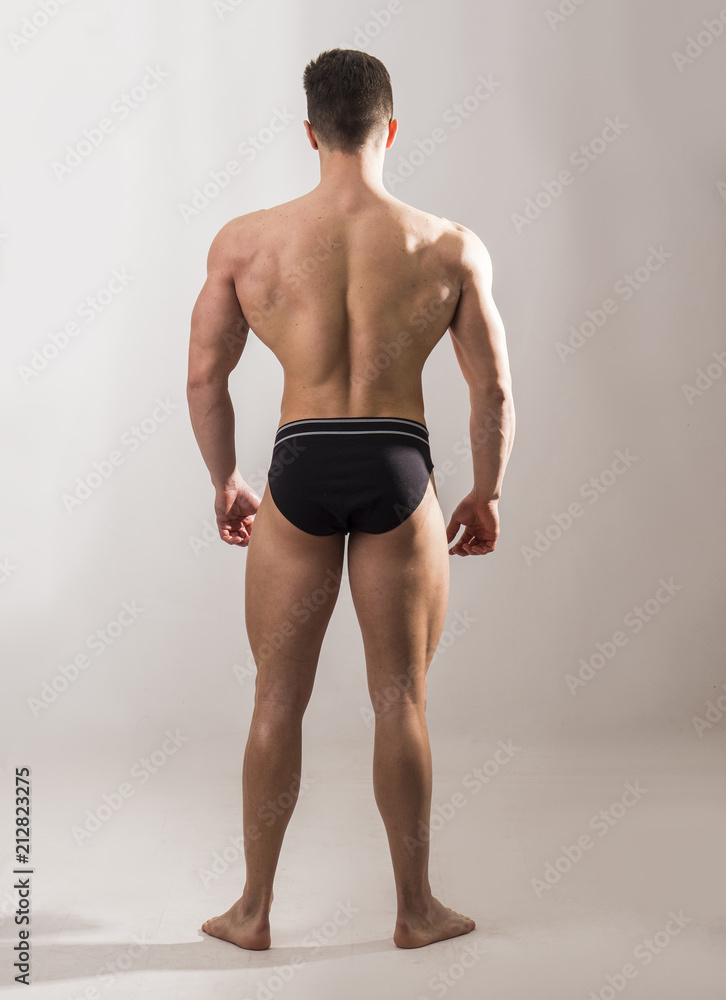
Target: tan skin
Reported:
point(330, 282)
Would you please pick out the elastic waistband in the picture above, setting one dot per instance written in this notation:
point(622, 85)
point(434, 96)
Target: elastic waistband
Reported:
point(352, 425)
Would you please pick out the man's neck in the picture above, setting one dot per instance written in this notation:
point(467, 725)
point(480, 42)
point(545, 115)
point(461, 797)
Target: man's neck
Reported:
point(345, 176)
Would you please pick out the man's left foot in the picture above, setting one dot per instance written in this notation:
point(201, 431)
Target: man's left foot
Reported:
point(246, 930)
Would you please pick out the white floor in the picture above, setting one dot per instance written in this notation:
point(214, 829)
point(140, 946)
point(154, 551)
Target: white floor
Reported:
point(119, 917)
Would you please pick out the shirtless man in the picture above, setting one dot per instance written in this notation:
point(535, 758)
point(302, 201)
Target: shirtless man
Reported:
point(351, 289)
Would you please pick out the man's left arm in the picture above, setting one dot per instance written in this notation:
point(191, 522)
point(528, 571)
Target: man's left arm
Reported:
point(218, 336)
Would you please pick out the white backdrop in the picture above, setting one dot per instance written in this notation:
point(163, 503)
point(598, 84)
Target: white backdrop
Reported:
point(587, 154)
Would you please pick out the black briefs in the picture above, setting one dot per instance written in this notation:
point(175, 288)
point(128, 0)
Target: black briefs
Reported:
point(338, 474)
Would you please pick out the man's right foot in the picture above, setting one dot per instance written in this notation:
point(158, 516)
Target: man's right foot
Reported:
point(416, 928)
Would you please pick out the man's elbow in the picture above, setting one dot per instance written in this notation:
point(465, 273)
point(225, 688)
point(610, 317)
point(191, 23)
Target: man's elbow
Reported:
point(493, 391)
point(203, 381)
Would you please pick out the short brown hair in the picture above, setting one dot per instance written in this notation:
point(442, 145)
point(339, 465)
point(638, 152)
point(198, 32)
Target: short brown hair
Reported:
point(349, 98)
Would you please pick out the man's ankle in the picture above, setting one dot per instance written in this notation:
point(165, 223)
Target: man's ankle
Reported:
point(256, 902)
point(414, 902)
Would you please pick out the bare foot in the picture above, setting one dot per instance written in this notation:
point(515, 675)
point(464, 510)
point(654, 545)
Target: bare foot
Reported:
point(249, 929)
point(414, 929)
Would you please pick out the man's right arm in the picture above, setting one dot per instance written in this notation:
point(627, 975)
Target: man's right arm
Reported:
point(477, 333)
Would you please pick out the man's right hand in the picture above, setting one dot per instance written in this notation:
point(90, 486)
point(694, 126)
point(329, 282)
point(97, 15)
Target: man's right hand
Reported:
point(235, 507)
point(480, 520)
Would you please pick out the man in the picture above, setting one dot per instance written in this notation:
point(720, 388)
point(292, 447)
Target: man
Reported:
point(351, 289)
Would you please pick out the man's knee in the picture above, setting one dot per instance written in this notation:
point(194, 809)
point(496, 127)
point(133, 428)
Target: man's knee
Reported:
point(283, 703)
point(401, 690)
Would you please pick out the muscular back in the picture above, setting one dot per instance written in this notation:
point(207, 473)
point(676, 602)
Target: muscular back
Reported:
point(350, 298)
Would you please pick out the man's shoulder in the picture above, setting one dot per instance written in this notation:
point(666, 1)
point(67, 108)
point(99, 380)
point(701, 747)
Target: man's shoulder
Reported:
point(466, 237)
point(471, 252)
point(239, 237)
point(241, 225)
point(464, 245)
point(243, 230)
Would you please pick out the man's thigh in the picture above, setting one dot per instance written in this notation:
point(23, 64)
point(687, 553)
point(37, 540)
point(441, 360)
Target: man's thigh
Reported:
point(399, 582)
point(292, 580)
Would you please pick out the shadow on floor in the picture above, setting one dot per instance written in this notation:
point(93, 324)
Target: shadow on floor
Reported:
point(69, 960)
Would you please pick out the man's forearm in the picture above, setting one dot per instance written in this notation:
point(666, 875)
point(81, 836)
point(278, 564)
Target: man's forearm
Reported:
point(491, 429)
point(212, 416)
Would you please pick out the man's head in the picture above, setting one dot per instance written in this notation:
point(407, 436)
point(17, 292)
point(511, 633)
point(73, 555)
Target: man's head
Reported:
point(350, 100)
